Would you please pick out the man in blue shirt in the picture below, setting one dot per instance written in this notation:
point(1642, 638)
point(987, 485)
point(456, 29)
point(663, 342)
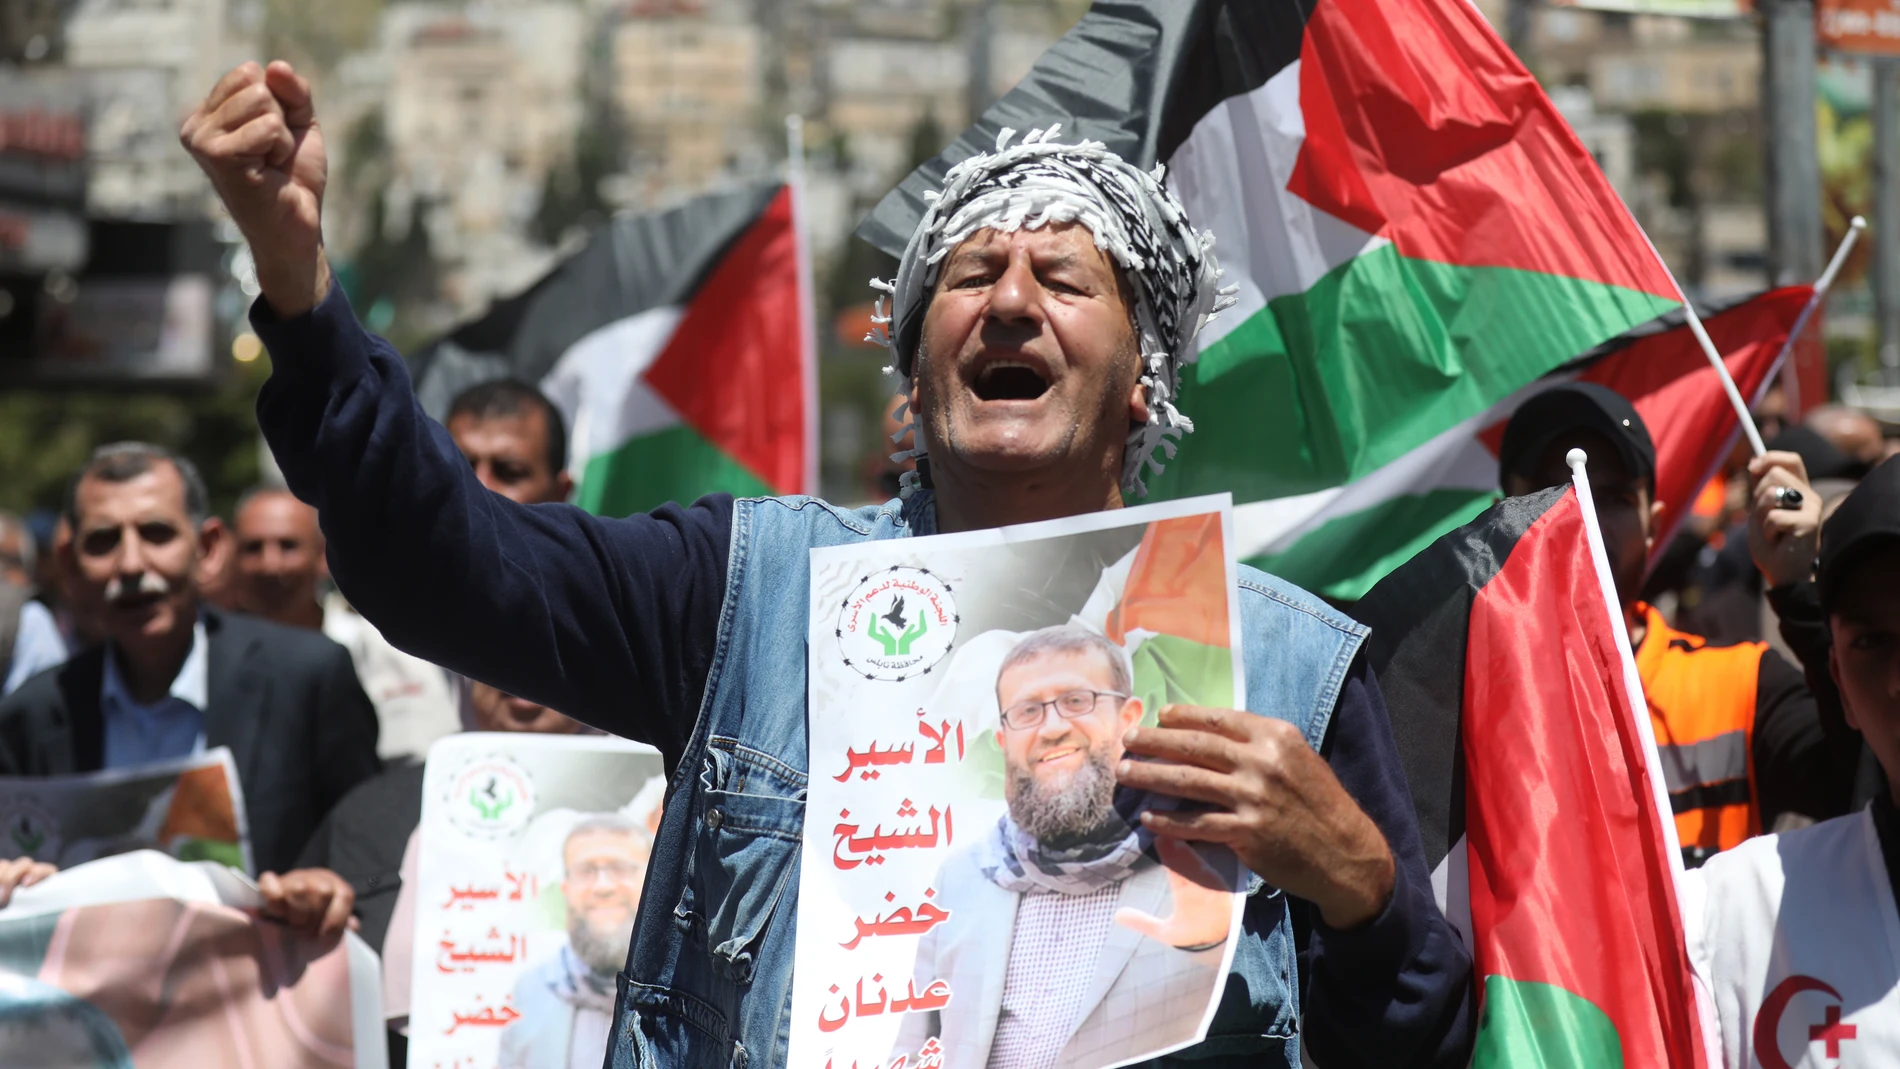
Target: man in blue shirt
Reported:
point(175, 677)
point(1036, 332)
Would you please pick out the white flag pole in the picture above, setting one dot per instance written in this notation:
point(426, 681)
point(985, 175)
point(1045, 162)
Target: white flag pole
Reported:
point(1704, 1011)
point(1632, 683)
point(1789, 383)
point(807, 299)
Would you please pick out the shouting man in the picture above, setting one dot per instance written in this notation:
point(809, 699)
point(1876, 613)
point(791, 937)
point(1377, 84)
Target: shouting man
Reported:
point(1041, 315)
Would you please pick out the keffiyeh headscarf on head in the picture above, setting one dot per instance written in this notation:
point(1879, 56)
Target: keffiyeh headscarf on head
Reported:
point(1133, 218)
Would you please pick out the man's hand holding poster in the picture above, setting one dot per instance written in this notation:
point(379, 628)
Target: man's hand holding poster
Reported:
point(139, 961)
point(976, 890)
point(533, 853)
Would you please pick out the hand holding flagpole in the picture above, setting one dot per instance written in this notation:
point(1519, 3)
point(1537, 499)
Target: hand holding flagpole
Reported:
point(1708, 347)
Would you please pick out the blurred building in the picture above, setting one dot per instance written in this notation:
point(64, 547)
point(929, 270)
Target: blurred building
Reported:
point(465, 110)
point(145, 64)
point(688, 85)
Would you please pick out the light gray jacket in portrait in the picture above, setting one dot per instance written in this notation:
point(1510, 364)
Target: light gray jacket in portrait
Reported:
point(1143, 997)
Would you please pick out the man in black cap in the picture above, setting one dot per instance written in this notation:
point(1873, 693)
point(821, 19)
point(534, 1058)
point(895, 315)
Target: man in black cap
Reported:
point(1811, 913)
point(1736, 727)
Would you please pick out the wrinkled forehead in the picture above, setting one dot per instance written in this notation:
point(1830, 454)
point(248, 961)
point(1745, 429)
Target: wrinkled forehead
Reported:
point(157, 492)
point(1053, 247)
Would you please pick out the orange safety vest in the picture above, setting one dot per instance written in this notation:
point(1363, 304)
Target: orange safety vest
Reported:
point(1702, 705)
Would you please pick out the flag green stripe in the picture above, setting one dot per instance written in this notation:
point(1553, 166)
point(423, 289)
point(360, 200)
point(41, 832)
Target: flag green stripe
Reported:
point(675, 464)
point(1378, 356)
point(1344, 557)
point(1169, 669)
point(1528, 1025)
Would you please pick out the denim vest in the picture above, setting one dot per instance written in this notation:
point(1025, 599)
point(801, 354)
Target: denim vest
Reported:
point(708, 981)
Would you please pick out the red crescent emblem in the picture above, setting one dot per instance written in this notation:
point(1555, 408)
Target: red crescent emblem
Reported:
point(1768, 1018)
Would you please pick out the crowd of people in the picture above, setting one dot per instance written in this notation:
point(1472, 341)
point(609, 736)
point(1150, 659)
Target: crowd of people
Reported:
point(414, 579)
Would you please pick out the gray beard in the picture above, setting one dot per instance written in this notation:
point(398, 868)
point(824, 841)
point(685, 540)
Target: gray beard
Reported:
point(1077, 813)
point(603, 952)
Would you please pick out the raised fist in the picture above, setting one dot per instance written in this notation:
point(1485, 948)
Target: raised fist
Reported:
point(256, 138)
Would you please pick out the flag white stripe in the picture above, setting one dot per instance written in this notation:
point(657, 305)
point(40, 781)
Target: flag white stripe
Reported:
point(1231, 174)
point(596, 384)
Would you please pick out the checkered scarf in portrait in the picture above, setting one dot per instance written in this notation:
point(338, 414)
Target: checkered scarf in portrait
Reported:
point(1133, 218)
point(1014, 861)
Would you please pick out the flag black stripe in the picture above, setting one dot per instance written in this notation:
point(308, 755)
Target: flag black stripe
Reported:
point(1135, 75)
point(633, 264)
point(1419, 617)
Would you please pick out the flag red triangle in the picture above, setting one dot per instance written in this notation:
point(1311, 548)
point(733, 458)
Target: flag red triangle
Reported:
point(734, 368)
point(1669, 380)
point(1422, 127)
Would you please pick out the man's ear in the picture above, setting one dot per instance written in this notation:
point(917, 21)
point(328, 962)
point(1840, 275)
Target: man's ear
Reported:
point(1131, 713)
point(214, 540)
point(65, 550)
point(1654, 525)
point(1138, 404)
point(564, 483)
point(1834, 673)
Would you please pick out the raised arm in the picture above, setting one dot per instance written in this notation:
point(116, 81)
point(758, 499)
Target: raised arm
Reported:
point(609, 621)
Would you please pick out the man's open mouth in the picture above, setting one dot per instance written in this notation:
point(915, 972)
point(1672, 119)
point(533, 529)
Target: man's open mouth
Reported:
point(1058, 754)
point(1010, 380)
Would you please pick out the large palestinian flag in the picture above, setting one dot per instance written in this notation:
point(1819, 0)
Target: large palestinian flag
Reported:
point(1526, 742)
point(1415, 232)
point(678, 346)
point(1658, 366)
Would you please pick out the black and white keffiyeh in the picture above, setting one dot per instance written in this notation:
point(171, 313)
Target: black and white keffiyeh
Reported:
point(1014, 861)
point(1133, 218)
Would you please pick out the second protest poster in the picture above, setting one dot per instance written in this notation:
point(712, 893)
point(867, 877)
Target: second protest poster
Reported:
point(976, 890)
point(533, 853)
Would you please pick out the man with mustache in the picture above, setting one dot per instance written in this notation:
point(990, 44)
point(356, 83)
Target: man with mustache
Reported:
point(279, 566)
point(1105, 954)
point(567, 1001)
point(176, 677)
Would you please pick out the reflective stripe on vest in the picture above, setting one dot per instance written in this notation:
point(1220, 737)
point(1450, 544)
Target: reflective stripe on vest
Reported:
point(1702, 705)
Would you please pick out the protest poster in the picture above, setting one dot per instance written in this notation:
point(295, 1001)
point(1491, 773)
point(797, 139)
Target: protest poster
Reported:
point(191, 808)
point(975, 890)
point(532, 855)
point(141, 961)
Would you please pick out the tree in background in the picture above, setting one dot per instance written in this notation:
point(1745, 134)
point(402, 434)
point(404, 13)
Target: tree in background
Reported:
point(46, 434)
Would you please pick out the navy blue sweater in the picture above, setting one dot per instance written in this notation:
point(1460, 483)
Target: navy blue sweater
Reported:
point(612, 621)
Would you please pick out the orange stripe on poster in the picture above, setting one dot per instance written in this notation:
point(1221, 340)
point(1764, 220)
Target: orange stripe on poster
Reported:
point(201, 808)
point(1177, 585)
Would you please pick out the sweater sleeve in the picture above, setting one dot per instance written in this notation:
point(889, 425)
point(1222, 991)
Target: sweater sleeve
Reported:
point(611, 621)
point(1395, 991)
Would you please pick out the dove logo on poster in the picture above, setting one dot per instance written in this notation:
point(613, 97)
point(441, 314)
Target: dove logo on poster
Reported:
point(29, 830)
point(490, 798)
point(897, 623)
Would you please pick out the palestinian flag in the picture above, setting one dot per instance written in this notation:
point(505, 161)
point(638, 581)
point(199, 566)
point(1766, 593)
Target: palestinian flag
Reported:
point(679, 347)
point(1527, 746)
point(1415, 232)
point(1658, 366)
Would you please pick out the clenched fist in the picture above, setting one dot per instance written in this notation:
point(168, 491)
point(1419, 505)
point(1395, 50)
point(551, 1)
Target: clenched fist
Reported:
point(256, 138)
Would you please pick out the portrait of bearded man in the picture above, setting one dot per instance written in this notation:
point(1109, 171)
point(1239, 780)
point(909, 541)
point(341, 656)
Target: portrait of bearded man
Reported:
point(566, 1001)
point(1074, 939)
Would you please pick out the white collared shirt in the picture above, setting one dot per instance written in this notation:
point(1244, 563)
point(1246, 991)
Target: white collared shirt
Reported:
point(172, 727)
